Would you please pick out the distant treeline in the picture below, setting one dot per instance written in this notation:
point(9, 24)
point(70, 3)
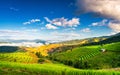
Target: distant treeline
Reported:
point(107, 41)
point(8, 48)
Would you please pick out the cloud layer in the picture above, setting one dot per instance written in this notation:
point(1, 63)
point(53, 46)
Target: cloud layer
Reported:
point(31, 21)
point(109, 9)
point(86, 30)
point(106, 8)
point(114, 26)
point(50, 26)
point(102, 23)
point(64, 22)
point(19, 34)
point(65, 36)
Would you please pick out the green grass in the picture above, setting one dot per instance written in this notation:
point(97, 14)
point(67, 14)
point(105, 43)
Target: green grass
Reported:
point(88, 58)
point(91, 57)
point(17, 57)
point(79, 53)
point(10, 68)
point(112, 47)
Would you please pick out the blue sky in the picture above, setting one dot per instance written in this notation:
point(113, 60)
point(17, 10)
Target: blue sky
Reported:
point(56, 19)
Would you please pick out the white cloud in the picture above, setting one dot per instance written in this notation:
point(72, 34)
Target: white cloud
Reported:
point(9, 31)
point(31, 21)
point(74, 22)
point(50, 26)
point(42, 28)
point(14, 9)
point(102, 23)
point(31, 30)
point(19, 34)
point(25, 23)
point(109, 9)
point(66, 34)
point(105, 8)
point(47, 19)
point(112, 33)
point(34, 20)
point(114, 26)
point(59, 36)
point(86, 30)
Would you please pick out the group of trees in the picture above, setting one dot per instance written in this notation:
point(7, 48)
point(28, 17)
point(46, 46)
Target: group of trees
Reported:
point(8, 48)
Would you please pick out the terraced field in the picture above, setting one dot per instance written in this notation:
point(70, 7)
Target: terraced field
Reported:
point(91, 57)
point(112, 47)
point(8, 68)
point(79, 53)
point(84, 58)
point(18, 57)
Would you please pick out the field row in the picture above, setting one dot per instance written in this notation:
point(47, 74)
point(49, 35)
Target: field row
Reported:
point(7, 68)
point(81, 53)
point(17, 57)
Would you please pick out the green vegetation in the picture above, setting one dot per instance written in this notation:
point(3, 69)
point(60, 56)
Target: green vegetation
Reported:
point(18, 57)
point(90, 57)
point(112, 47)
point(80, 53)
point(84, 41)
point(8, 48)
point(8, 68)
point(81, 60)
point(111, 39)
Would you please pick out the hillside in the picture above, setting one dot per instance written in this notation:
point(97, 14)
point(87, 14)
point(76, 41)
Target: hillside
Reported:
point(66, 58)
point(84, 41)
point(94, 40)
point(89, 56)
point(113, 38)
point(110, 39)
point(10, 68)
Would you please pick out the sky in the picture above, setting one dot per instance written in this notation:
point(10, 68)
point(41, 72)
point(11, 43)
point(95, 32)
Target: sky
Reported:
point(58, 20)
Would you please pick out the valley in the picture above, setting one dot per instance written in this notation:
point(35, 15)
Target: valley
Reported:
point(62, 59)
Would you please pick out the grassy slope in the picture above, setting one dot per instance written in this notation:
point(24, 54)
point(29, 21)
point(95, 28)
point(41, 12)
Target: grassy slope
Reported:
point(76, 53)
point(9, 68)
point(91, 56)
point(113, 47)
point(21, 57)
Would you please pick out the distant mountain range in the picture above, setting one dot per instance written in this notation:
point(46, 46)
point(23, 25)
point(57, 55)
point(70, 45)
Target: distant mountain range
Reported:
point(109, 39)
point(94, 40)
point(28, 43)
point(87, 41)
point(18, 41)
point(113, 38)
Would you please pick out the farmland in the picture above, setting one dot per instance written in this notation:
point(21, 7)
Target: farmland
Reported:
point(18, 57)
point(59, 37)
point(8, 68)
point(90, 56)
point(80, 60)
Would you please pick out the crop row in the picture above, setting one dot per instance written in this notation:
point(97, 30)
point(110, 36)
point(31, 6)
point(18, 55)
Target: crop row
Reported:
point(17, 57)
point(47, 69)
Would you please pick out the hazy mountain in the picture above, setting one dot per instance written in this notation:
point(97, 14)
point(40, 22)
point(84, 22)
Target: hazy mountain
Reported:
point(109, 39)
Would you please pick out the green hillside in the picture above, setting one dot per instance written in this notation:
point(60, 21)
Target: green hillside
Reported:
point(78, 58)
point(9, 68)
point(18, 57)
point(89, 56)
point(110, 39)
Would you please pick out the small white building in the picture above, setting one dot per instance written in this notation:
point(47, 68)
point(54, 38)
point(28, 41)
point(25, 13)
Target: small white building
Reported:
point(103, 50)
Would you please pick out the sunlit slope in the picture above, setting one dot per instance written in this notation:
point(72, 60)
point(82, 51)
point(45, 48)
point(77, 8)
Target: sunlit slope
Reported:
point(44, 49)
point(84, 41)
point(19, 57)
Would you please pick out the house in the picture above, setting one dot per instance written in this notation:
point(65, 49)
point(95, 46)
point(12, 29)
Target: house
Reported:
point(103, 50)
